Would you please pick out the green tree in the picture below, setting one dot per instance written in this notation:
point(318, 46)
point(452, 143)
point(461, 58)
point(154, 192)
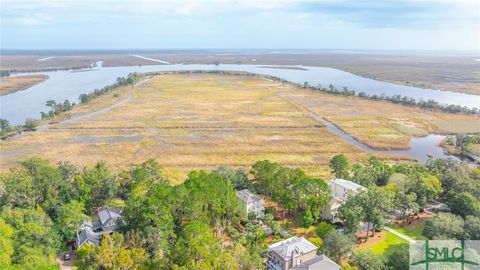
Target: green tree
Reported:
point(351, 213)
point(399, 259)
point(404, 198)
point(339, 165)
point(51, 190)
point(367, 260)
point(307, 218)
point(464, 204)
point(196, 244)
point(427, 188)
point(96, 186)
point(4, 126)
point(264, 179)
point(30, 125)
point(255, 232)
point(19, 189)
point(150, 213)
point(317, 242)
point(70, 218)
point(35, 241)
point(211, 199)
point(323, 229)
point(251, 216)
point(6, 243)
point(337, 245)
point(472, 227)
point(375, 202)
point(238, 178)
point(444, 226)
point(86, 257)
point(373, 172)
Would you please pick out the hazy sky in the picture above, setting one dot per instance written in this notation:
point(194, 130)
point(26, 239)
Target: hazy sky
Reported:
point(322, 24)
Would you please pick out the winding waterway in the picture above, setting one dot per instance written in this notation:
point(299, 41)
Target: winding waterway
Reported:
point(61, 85)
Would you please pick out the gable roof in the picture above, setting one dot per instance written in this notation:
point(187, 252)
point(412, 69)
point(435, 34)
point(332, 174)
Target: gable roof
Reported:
point(247, 197)
point(295, 245)
point(108, 213)
point(90, 224)
point(318, 263)
point(345, 184)
point(87, 235)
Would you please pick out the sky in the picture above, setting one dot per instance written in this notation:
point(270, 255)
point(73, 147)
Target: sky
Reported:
point(240, 24)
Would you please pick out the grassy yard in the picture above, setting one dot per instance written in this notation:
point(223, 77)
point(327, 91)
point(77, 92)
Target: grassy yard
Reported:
point(414, 232)
point(386, 245)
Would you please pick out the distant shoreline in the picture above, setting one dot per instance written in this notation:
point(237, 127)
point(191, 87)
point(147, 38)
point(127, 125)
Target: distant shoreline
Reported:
point(10, 85)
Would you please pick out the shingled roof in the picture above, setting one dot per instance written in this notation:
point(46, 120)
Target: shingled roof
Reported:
point(247, 197)
point(108, 213)
point(87, 236)
point(321, 262)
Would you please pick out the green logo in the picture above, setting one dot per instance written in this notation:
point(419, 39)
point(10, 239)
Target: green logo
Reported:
point(444, 255)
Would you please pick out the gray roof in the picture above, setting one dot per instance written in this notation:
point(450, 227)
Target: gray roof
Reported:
point(318, 263)
point(296, 245)
point(91, 224)
point(346, 184)
point(247, 197)
point(108, 213)
point(90, 236)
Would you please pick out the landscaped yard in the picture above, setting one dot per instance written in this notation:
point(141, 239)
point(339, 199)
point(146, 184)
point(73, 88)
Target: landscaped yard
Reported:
point(386, 245)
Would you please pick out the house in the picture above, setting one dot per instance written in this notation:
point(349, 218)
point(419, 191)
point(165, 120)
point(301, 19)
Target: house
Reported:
point(108, 218)
point(297, 253)
point(340, 189)
point(92, 231)
point(89, 237)
point(251, 203)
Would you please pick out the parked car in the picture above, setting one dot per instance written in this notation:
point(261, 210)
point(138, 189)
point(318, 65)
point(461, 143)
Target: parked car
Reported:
point(67, 256)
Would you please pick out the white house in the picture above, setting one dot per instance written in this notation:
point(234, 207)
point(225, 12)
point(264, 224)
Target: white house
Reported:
point(297, 253)
point(251, 203)
point(340, 189)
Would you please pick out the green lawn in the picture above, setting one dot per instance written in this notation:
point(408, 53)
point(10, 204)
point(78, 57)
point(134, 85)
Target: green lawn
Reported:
point(387, 245)
point(414, 232)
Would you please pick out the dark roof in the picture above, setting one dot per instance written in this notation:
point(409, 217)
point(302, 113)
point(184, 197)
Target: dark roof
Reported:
point(318, 263)
point(87, 235)
point(108, 213)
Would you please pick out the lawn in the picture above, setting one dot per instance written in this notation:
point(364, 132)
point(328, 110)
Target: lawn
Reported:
point(386, 245)
point(414, 232)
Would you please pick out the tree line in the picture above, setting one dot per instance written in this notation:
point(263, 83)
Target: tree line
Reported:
point(198, 224)
point(164, 226)
point(408, 188)
point(464, 142)
point(131, 79)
